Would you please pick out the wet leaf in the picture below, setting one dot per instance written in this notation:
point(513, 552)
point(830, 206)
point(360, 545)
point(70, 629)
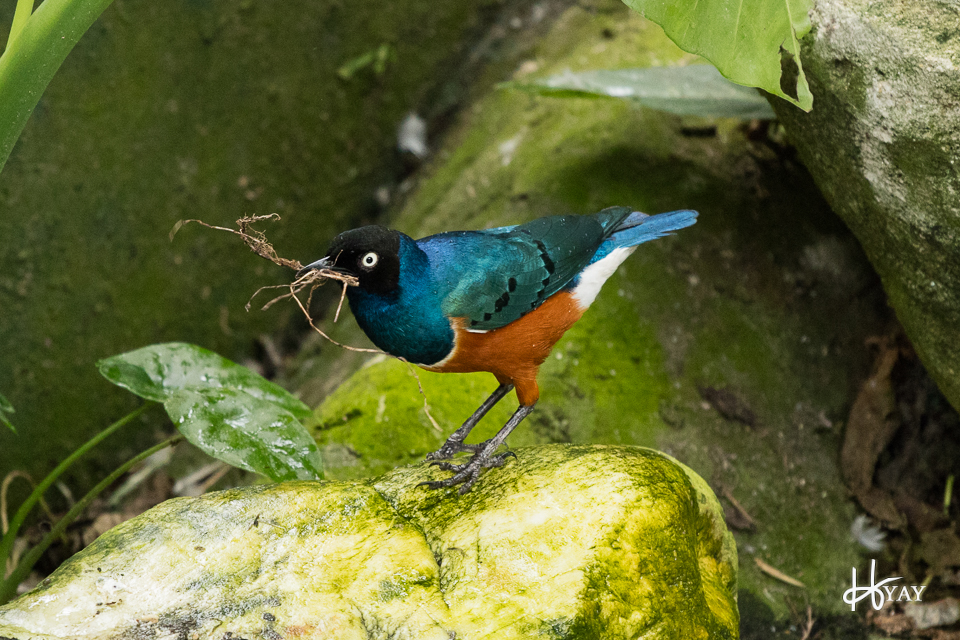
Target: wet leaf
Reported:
point(5, 408)
point(695, 90)
point(920, 515)
point(157, 371)
point(940, 549)
point(245, 431)
point(226, 410)
point(751, 42)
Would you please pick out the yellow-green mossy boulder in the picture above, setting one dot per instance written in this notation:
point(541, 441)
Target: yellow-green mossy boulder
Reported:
point(563, 542)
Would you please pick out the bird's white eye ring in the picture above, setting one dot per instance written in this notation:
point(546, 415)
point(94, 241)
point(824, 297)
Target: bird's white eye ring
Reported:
point(369, 260)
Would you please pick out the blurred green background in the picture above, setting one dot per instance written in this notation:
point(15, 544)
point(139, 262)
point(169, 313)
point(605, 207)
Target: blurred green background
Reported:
point(210, 109)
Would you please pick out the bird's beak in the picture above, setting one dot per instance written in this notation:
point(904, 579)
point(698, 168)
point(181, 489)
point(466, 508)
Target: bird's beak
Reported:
point(322, 263)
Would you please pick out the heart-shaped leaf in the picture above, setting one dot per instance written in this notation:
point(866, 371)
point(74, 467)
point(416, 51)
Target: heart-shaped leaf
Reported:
point(245, 431)
point(159, 370)
point(226, 410)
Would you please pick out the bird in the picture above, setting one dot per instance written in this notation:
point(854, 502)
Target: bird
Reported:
point(494, 300)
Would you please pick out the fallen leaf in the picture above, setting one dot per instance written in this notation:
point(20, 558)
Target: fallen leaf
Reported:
point(872, 424)
point(926, 615)
point(920, 515)
point(940, 549)
point(888, 622)
point(729, 405)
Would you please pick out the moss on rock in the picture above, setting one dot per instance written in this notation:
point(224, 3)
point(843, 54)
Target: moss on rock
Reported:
point(565, 542)
point(376, 420)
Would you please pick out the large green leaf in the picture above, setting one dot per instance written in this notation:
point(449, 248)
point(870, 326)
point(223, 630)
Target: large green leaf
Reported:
point(745, 39)
point(247, 432)
point(227, 410)
point(697, 90)
point(38, 44)
point(157, 371)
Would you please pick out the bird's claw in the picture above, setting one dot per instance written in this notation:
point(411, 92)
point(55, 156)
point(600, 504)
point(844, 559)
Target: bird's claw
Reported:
point(469, 472)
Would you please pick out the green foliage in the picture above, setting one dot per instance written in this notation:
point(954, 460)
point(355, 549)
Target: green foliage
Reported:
point(5, 408)
point(695, 90)
point(20, 17)
point(8, 586)
point(752, 42)
point(246, 432)
point(226, 410)
point(37, 46)
point(158, 371)
point(376, 59)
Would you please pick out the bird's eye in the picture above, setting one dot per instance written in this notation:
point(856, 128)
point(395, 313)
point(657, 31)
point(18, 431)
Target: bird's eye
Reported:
point(369, 260)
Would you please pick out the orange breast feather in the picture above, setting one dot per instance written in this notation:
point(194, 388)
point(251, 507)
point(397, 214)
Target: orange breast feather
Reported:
point(513, 353)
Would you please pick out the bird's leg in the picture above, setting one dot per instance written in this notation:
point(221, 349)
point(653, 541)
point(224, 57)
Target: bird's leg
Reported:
point(469, 472)
point(454, 443)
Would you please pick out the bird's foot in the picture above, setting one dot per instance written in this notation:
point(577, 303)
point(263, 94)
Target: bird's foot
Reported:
point(469, 472)
point(451, 448)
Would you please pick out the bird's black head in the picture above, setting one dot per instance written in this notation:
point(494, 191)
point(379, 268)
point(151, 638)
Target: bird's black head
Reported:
point(371, 254)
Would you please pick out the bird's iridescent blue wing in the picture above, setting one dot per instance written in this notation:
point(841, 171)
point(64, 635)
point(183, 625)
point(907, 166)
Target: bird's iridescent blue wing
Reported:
point(494, 277)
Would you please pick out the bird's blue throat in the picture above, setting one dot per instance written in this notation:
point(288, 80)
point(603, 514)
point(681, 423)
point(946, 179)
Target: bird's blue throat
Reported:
point(407, 322)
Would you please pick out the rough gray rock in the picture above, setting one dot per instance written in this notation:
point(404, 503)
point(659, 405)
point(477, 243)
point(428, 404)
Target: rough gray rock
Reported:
point(883, 142)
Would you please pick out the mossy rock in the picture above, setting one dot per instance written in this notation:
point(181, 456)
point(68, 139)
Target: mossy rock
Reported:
point(563, 542)
point(217, 110)
point(377, 420)
point(883, 143)
point(768, 300)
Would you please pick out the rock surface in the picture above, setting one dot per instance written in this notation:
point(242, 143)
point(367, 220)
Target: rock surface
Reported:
point(883, 143)
point(563, 542)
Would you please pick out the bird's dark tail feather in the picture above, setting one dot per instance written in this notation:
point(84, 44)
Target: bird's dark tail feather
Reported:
point(639, 227)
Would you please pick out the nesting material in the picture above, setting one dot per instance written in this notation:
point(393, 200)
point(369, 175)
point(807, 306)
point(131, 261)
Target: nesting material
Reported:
point(257, 242)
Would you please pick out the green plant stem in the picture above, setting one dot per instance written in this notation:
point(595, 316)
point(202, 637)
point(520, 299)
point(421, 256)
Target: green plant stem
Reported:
point(24, 9)
point(5, 408)
point(6, 421)
point(34, 53)
point(948, 495)
point(6, 544)
point(9, 585)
